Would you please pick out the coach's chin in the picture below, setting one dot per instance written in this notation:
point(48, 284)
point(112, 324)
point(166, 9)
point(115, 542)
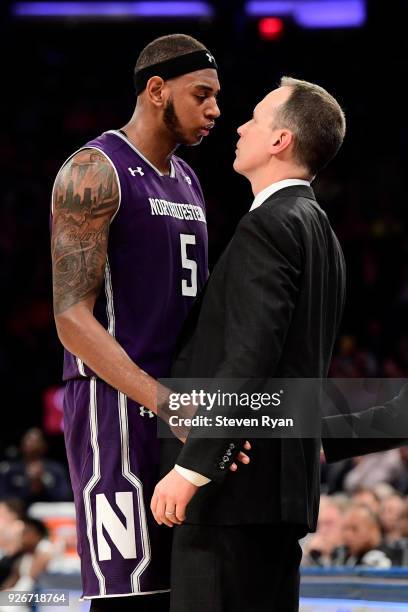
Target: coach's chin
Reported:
point(237, 164)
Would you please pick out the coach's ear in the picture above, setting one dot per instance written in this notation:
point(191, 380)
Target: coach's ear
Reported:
point(281, 140)
point(155, 91)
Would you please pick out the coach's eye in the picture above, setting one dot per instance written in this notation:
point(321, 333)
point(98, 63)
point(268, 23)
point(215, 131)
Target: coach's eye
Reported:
point(203, 97)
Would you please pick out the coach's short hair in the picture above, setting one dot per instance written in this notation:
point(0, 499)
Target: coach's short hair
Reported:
point(317, 121)
point(165, 48)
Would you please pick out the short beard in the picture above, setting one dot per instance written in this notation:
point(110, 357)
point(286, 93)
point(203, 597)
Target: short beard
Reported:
point(172, 123)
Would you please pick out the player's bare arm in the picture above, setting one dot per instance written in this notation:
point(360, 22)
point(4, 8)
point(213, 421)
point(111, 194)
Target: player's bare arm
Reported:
point(86, 196)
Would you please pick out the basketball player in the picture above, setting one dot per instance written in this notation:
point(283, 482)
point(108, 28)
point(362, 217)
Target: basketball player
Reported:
point(129, 251)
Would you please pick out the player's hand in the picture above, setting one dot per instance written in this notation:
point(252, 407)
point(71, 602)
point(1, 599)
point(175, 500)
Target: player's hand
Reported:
point(241, 457)
point(171, 498)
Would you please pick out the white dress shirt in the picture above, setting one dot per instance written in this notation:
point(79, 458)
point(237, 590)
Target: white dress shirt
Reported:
point(194, 477)
point(263, 195)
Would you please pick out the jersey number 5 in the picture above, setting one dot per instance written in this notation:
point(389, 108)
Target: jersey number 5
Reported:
point(188, 289)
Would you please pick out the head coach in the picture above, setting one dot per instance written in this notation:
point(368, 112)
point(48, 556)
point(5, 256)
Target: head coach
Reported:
point(271, 308)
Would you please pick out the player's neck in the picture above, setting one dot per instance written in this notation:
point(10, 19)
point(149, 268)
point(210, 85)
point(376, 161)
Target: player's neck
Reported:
point(152, 141)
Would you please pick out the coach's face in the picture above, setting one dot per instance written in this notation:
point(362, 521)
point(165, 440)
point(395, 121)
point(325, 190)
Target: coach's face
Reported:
point(258, 136)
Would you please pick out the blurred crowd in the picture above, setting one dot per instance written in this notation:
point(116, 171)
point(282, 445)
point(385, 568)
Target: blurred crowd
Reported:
point(363, 517)
point(29, 478)
point(25, 550)
point(367, 528)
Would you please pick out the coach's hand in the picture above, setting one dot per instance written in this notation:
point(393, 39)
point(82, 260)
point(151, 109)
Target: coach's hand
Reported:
point(174, 492)
point(241, 457)
point(170, 499)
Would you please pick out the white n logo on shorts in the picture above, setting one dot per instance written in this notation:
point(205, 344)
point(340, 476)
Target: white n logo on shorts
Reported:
point(123, 537)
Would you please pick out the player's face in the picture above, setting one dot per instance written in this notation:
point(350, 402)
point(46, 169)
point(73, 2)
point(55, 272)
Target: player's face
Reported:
point(253, 150)
point(191, 108)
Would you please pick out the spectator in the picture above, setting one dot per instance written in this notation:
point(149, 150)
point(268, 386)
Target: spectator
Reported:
point(390, 511)
point(366, 497)
point(34, 555)
point(321, 545)
point(34, 478)
point(362, 540)
point(400, 546)
point(342, 500)
point(11, 527)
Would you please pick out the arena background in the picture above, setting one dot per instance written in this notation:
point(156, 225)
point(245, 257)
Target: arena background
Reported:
point(67, 79)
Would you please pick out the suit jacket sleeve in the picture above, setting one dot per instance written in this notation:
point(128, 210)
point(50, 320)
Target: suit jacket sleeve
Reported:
point(262, 275)
point(376, 429)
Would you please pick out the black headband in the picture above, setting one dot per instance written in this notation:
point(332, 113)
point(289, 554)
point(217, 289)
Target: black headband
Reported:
point(174, 67)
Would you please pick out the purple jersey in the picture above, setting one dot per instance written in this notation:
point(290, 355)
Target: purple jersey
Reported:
point(157, 257)
point(156, 265)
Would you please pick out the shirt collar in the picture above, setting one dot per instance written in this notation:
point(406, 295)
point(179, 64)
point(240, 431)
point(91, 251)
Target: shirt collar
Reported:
point(263, 195)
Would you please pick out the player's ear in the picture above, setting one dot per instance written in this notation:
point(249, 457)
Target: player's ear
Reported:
point(154, 90)
point(280, 140)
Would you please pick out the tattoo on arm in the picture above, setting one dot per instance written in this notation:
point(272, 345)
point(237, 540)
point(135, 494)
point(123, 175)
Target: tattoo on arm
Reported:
point(86, 196)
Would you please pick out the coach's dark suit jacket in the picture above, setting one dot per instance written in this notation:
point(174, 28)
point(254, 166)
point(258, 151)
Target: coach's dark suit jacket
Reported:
point(271, 308)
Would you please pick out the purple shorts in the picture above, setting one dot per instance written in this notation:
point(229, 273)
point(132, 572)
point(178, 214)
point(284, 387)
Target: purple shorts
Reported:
point(113, 455)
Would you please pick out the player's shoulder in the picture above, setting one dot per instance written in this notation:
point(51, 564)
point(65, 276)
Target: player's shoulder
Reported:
point(96, 153)
point(89, 170)
point(85, 155)
point(112, 140)
point(99, 149)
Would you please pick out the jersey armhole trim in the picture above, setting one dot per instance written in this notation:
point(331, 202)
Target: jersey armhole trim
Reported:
point(110, 161)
